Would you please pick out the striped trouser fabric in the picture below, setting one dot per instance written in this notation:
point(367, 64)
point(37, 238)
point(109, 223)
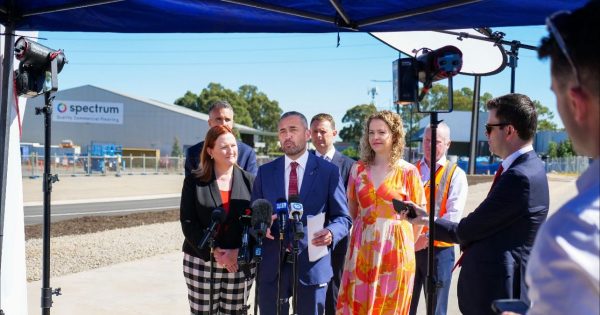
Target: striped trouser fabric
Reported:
point(228, 288)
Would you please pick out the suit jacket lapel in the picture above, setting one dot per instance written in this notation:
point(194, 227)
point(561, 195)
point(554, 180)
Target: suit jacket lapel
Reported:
point(215, 193)
point(337, 159)
point(240, 189)
point(310, 174)
point(522, 158)
point(278, 177)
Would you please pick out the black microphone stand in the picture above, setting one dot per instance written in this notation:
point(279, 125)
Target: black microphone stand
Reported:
point(257, 260)
point(280, 267)
point(296, 250)
point(210, 237)
point(211, 243)
point(244, 264)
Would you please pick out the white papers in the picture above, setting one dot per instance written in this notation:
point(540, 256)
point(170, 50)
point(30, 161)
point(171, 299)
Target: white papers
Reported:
point(315, 223)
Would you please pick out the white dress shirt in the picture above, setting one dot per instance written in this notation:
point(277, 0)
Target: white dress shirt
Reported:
point(302, 160)
point(563, 269)
point(457, 194)
point(506, 163)
point(329, 154)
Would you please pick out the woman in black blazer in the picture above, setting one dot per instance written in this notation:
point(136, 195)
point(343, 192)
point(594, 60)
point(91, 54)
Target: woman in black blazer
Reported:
point(218, 182)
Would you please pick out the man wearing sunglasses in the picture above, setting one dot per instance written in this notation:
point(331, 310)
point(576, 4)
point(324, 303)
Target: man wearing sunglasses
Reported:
point(498, 235)
point(563, 271)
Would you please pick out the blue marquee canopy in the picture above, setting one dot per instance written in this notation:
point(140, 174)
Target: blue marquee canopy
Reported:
point(280, 16)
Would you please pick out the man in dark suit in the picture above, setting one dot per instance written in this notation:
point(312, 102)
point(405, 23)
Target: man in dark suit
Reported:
point(221, 113)
point(318, 185)
point(323, 132)
point(498, 235)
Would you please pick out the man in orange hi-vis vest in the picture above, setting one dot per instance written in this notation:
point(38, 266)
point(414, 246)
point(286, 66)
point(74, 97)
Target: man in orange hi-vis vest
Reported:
point(450, 198)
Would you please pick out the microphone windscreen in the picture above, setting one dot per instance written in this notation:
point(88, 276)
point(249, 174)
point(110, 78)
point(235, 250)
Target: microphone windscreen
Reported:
point(261, 212)
point(218, 215)
point(294, 198)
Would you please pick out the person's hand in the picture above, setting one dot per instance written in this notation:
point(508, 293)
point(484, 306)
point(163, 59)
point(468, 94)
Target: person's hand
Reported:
point(422, 215)
point(227, 258)
point(422, 242)
point(322, 238)
point(268, 234)
point(218, 255)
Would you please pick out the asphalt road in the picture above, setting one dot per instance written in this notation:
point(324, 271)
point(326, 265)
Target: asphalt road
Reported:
point(63, 211)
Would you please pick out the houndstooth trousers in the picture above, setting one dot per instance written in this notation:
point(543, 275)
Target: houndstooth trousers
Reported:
point(228, 288)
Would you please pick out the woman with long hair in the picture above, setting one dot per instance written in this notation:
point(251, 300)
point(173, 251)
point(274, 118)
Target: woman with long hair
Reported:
point(217, 183)
point(380, 262)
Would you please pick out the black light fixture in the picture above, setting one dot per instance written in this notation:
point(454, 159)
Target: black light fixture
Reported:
point(38, 67)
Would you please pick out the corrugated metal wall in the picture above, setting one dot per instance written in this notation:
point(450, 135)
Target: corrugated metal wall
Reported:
point(145, 125)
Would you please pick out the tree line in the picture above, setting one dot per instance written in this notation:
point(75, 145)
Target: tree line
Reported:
point(254, 108)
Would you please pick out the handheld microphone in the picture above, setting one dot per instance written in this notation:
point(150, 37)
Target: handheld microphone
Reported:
point(217, 217)
point(296, 210)
point(261, 221)
point(261, 217)
point(281, 208)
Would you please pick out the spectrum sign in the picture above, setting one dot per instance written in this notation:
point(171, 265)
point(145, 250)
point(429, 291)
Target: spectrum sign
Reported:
point(88, 112)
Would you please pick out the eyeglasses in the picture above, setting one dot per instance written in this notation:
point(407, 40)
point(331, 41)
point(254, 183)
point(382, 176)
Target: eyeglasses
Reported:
point(490, 127)
point(553, 23)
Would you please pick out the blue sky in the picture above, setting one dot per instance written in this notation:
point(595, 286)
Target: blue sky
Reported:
point(304, 72)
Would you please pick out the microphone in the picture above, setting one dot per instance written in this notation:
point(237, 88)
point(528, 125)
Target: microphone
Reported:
point(246, 217)
point(261, 221)
point(217, 217)
point(243, 254)
point(296, 210)
point(261, 217)
point(281, 208)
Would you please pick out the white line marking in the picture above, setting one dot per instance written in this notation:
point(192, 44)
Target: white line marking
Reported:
point(76, 201)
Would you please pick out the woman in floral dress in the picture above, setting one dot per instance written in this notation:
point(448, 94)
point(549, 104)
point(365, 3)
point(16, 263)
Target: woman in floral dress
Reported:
point(380, 262)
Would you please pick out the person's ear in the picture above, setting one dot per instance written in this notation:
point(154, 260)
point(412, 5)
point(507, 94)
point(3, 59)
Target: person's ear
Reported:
point(578, 104)
point(510, 131)
point(334, 133)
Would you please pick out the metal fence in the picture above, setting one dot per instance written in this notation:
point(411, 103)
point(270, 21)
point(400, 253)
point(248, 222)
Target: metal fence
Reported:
point(33, 165)
point(574, 164)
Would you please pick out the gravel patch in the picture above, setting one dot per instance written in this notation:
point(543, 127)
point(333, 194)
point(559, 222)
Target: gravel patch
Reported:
point(76, 253)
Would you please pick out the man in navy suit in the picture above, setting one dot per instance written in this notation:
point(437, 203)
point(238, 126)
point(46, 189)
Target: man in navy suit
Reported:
point(498, 235)
point(221, 113)
point(318, 185)
point(323, 132)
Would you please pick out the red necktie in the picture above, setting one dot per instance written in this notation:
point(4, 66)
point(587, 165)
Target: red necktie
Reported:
point(293, 185)
point(498, 173)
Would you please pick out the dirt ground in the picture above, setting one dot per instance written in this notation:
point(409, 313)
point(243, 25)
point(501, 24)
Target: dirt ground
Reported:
point(93, 224)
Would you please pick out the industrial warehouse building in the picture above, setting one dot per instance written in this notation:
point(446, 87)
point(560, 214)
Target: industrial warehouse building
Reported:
point(89, 114)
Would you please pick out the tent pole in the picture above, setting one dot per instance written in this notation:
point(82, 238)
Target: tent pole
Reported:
point(7, 92)
point(474, 126)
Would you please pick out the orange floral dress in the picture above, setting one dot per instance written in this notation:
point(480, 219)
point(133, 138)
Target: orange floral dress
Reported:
point(380, 262)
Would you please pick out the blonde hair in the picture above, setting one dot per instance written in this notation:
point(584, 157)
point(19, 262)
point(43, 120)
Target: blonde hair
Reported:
point(394, 122)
